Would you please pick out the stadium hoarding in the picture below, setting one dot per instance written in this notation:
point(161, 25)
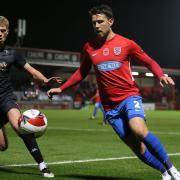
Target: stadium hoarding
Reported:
point(69, 59)
point(50, 57)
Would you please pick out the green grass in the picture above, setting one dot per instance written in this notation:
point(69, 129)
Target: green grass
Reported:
point(72, 136)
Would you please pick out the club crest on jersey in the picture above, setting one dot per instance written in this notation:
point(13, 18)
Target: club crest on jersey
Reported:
point(106, 52)
point(117, 50)
point(108, 66)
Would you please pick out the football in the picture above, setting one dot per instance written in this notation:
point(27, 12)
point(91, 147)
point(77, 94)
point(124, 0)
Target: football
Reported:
point(34, 122)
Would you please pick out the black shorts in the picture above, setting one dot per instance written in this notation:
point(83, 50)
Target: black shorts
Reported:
point(6, 103)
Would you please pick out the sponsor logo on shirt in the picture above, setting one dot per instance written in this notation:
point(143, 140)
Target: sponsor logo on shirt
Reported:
point(108, 66)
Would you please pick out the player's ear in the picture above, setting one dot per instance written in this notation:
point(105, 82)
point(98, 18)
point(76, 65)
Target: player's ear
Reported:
point(7, 32)
point(111, 21)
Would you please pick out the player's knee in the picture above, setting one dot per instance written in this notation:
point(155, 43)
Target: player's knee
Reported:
point(16, 126)
point(138, 127)
point(3, 147)
point(141, 133)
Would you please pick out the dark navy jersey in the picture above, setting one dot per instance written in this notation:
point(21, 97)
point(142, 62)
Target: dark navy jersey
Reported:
point(8, 57)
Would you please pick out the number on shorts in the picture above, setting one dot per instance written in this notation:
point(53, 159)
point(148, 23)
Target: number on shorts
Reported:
point(136, 105)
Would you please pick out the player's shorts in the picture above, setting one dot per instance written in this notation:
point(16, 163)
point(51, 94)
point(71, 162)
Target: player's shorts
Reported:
point(6, 103)
point(98, 104)
point(119, 116)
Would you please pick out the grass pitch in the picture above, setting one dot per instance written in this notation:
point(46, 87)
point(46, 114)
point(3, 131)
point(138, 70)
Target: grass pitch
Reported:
point(76, 147)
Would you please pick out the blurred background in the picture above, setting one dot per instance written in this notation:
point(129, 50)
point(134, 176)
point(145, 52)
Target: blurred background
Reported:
point(51, 35)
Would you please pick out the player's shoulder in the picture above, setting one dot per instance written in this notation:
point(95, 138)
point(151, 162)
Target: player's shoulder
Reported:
point(90, 42)
point(89, 45)
point(8, 51)
point(124, 38)
point(86, 44)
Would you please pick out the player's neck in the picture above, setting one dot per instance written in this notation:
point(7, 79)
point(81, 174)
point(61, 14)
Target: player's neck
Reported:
point(110, 35)
point(2, 46)
point(106, 38)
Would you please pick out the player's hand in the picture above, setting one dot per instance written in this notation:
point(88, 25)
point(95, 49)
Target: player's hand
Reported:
point(165, 80)
point(53, 80)
point(53, 91)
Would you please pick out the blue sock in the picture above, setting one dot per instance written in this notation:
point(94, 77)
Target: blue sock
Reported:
point(156, 148)
point(152, 161)
point(95, 112)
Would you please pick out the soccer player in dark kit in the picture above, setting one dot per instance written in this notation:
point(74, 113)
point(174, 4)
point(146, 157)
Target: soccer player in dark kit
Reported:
point(111, 54)
point(9, 111)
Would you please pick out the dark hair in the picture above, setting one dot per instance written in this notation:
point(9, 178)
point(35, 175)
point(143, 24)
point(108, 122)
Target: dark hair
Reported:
point(102, 9)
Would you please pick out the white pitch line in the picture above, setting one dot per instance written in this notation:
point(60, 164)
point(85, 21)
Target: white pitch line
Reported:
point(167, 133)
point(105, 130)
point(77, 129)
point(80, 161)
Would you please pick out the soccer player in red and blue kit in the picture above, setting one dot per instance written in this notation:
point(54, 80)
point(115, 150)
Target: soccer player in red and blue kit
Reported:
point(110, 54)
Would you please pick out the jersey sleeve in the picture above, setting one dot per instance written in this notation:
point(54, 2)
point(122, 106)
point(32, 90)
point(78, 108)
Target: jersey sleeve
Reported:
point(137, 53)
point(19, 60)
point(80, 73)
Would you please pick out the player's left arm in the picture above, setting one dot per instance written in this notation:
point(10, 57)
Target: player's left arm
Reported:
point(39, 76)
point(151, 64)
point(20, 62)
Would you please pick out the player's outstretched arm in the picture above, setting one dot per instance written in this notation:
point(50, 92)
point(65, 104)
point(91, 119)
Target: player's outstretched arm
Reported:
point(39, 76)
point(53, 91)
point(165, 80)
point(52, 80)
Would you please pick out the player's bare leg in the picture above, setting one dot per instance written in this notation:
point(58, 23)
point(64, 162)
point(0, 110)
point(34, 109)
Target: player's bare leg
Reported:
point(30, 142)
point(3, 139)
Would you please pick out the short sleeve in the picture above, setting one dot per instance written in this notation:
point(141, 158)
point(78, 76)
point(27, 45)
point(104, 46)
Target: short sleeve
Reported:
point(19, 60)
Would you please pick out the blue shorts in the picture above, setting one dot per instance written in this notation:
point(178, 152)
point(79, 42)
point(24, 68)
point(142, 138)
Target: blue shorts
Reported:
point(126, 110)
point(97, 105)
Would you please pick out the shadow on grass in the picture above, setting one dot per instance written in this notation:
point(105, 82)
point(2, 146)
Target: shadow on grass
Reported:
point(8, 170)
point(69, 176)
point(91, 177)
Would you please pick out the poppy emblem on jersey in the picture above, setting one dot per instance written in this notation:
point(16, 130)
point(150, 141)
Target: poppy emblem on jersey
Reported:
point(117, 50)
point(108, 66)
point(106, 52)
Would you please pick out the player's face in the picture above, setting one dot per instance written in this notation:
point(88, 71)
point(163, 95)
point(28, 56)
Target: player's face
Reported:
point(3, 33)
point(101, 25)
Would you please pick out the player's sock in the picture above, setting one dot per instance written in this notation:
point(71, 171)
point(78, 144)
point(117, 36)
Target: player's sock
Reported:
point(168, 164)
point(33, 148)
point(95, 112)
point(42, 165)
point(45, 171)
point(165, 176)
point(156, 148)
point(152, 161)
point(175, 174)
